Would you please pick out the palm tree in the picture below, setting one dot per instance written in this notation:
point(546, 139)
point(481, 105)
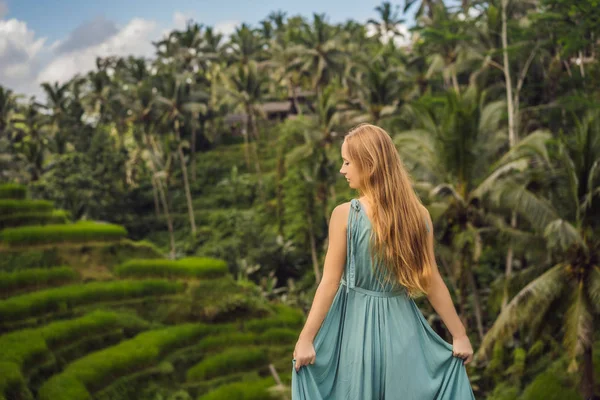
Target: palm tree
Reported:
point(31, 126)
point(389, 17)
point(426, 7)
point(58, 103)
point(454, 149)
point(8, 106)
point(379, 88)
point(445, 39)
point(247, 86)
point(314, 158)
point(246, 44)
point(568, 219)
point(179, 100)
point(320, 50)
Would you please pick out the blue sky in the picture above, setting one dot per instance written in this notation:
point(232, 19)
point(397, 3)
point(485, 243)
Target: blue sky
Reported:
point(51, 40)
point(56, 18)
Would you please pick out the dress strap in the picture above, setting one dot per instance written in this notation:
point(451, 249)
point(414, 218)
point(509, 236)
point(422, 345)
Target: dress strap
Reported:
point(350, 234)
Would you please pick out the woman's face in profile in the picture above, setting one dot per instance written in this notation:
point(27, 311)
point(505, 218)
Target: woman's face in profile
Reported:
point(348, 168)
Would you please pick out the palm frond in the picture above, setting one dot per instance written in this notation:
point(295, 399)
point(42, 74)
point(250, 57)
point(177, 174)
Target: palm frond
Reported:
point(489, 183)
point(537, 211)
point(533, 299)
point(447, 190)
point(533, 145)
point(579, 326)
point(594, 287)
point(560, 233)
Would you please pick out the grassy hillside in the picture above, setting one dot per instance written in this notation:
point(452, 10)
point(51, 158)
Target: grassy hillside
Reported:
point(87, 313)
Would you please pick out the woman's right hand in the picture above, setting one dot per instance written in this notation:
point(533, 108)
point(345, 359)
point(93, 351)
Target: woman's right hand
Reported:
point(304, 353)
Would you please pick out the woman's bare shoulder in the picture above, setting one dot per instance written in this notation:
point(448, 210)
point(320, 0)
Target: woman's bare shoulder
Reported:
point(340, 213)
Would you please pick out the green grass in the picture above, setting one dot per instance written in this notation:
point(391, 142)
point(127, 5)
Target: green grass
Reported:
point(35, 278)
point(98, 369)
point(191, 267)
point(10, 206)
point(24, 349)
point(68, 297)
point(253, 390)
point(57, 233)
point(232, 360)
point(34, 218)
point(13, 191)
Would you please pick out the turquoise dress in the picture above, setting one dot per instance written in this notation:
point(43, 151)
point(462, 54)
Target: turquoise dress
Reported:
point(374, 343)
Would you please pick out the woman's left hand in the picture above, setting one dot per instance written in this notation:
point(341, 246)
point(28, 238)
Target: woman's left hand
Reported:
point(461, 348)
point(304, 353)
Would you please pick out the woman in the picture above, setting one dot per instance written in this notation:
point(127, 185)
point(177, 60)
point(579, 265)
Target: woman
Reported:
point(365, 338)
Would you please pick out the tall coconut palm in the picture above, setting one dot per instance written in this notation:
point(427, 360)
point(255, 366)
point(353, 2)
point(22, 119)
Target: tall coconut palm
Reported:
point(31, 125)
point(320, 50)
point(179, 101)
point(389, 19)
point(569, 220)
point(57, 103)
point(315, 157)
point(445, 39)
point(246, 44)
point(247, 86)
point(454, 150)
point(380, 88)
point(426, 7)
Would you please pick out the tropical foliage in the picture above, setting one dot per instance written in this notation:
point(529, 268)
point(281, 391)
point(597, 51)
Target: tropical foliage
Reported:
point(224, 152)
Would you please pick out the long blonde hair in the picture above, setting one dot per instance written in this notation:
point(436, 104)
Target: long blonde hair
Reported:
point(399, 235)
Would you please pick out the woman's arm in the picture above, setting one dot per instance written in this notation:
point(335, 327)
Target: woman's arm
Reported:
point(335, 260)
point(440, 299)
point(439, 296)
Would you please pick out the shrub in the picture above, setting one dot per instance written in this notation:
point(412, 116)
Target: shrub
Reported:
point(231, 360)
point(256, 390)
point(11, 206)
point(278, 336)
point(98, 369)
point(12, 383)
point(12, 191)
point(78, 232)
point(191, 267)
point(27, 347)
point(67, 297)
point(34, 218)
point(35, 278)
point(285, 317)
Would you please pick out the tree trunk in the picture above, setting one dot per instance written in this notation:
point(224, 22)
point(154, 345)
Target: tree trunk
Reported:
point(156, 201)
point(279, 190)
point(246, 146)
point(169, 221)
point(193, 145)
point(188, 193)
point(509, 95)
point(313, 248)
point(476, 302)
point(455, 81)
point(508, 264)
point(252, 121)
point(581, 67)
point(512, 140)
point(163, 198)
point(587, 380)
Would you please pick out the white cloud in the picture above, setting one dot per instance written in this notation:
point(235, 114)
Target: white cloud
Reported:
point(399, 40)
point(27, 60)
point(134, 39)
point(19, 54)
point(180, 19)
point(226, 28)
